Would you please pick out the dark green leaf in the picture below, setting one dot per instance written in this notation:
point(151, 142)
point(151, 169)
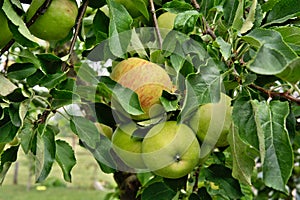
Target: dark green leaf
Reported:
point(243, 157)
point(221, 176)
point(230, 9)
point(291, 72)
point(62, 98)
point(283, 11)
point(65, 158)
point(177, 6)
point(50, 63)
point(100, 25)
point(20, 71)
point(8, 129)
point(185, 21)
point(7, 158)
point(48, 81)
point(291, 35)
point(275, 147)
point(158, 191)
point(86, 131)
point(97, 3)
point(45, 152)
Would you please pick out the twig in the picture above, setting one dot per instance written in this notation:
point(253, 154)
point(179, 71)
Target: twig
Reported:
point(285, 95)
point(195, 4)
point(39, 12)
point(152, 10)
point(82, 10)
point(197, 172)
point(208, 30)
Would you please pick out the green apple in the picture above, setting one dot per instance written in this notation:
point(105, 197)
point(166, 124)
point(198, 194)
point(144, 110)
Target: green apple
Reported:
point(104, 129)
point(5, 34)
point(147, 79)
point(56, 22)
point(166, 23)
point(171, 150)
point(212, 122)
point(127, 146)
point(131, 6)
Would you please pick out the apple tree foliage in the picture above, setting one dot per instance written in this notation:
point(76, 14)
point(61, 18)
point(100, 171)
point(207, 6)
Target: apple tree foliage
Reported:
point(248, 49)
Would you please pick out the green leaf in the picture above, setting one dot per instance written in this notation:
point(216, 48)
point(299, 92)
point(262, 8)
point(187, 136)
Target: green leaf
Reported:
point(249, 22)
point(20, 71)
point(6, 159)
point(269, 5)
point(283, 11)
point(221, 176)
point(87, 74)
point(243, 157)
point(204, 87)
point(243, 118)
point(65, 157)
point(26, 135)
point(177, 6)
point(275, 147)
point(50, 63)
point(119, 28)
point(96, 3)
point(238, 18)
point(230, 9)
point(45, 152)
point(225, 48)
point(169, 101)
point(291, 72)
point(19, 29)
point(100, 26)
point(127, 98)
point(158, 191)
point(86, 130)
point(8, 129)
point(185, 21)
point(47, 80)
point(6, 85)
point(291, 35)
point(62, 98)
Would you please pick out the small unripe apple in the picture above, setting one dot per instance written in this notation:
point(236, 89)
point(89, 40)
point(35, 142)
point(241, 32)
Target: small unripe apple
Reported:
point(131, 7)
point(5, 34)
point(166, 22)
point(56, 22)
point(171, 150)
point(212, 122)
point(147, 79)
point(128, 147)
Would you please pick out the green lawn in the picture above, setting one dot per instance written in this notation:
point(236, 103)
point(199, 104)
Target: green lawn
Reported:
point(84, 174)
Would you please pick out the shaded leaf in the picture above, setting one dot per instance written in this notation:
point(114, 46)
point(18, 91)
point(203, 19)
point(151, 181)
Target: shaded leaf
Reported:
point(7, 158)
point(65, 157)
point(158, 191)
point(20, 71)
point(6, 85)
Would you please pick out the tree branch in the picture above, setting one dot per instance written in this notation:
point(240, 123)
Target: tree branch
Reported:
point(80, 16)
point(284, 95)
point(39, 12)
point(197, 173)
point(208, 30)
point(195, 4)
point(152, 10)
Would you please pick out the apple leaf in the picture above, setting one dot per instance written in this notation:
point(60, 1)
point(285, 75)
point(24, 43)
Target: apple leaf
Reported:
point(21, 32)
point(6, 159)
point(65, 158)
point(7, 87)
point(275, 147)
point(243, 157)
point(45, 152)
point(185, 21)
point(50, 63)
point(86, 131)
point(243, 118)
point(20, 71)
point(8, 129)
point(230, 9)
point(97, 3)
point(238, 18)
point(46, 80)
point(282, 11)
point(291, 72)
point(177, 6)
point(119, 28)
point(61, 98)
point(100, 26)
point(225, 48)
point(291, 35)
point(221, 177)
point(249, 22)
point(158, 191)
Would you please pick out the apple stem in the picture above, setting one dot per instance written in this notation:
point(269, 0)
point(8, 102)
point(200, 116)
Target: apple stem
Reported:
point(152, 9)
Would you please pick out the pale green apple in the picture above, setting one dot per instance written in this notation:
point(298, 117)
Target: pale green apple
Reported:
point(171, 150)
point(128, 147)
point(131, 7)
point(5, 34)
point(147, 79)
point(166, 22)
point(56, 22)
point(212, 122)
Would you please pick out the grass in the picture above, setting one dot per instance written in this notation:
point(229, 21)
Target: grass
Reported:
point(84, 174)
